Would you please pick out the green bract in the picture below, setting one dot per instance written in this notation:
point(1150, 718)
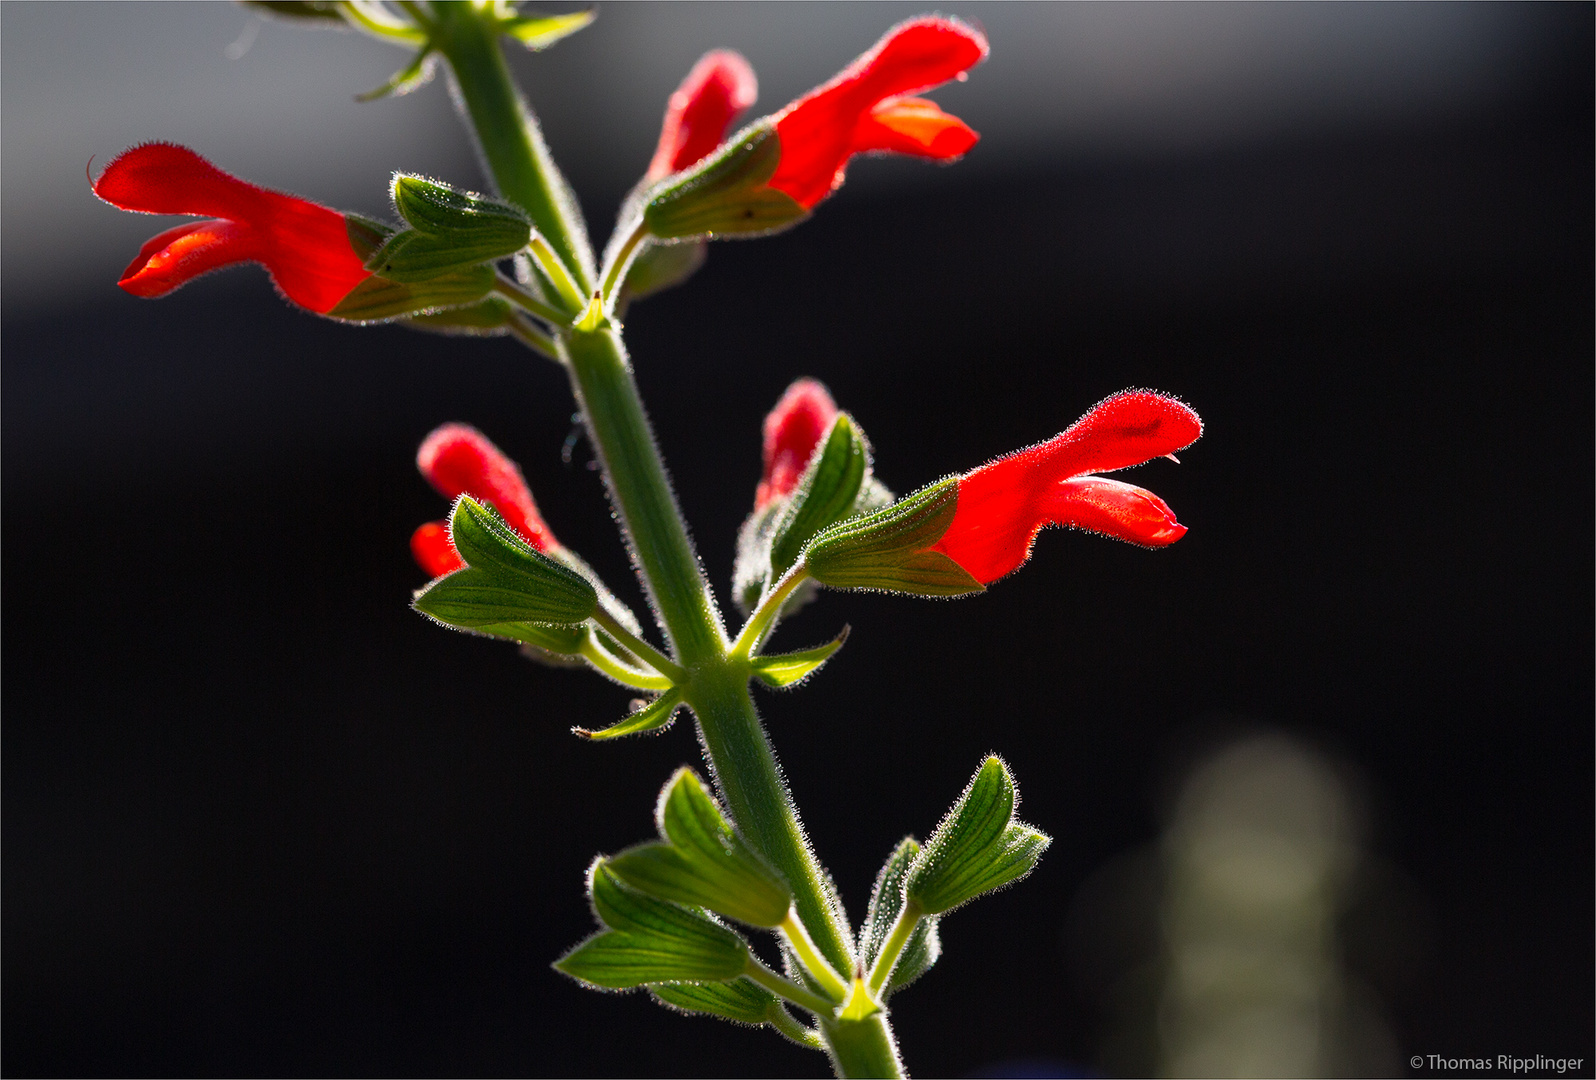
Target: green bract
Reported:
point(504, 580)
point(977, 848)
point(650, 941)
point(890, 549)
point(654, 716)
point(725, 194)
point(703, 860)
point(785, 669)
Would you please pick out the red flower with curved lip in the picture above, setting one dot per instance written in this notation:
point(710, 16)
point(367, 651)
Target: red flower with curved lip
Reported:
point(459, 460)
point(792, 431)
point(720, 86)
point(1004, 504)
point(305, 247)
point(864, 109)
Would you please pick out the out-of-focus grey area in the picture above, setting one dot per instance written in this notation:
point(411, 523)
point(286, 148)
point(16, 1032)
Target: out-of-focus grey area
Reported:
point(272, 102)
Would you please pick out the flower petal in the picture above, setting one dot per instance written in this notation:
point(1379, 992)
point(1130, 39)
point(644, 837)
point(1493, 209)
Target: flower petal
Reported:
point(1114, 508)
point(459, 460)
point(304, 246)
point(817, 131)
point(720, 86)
point(913, 126)
point(1125, 429)
point(178, 256)
point(434, 551)
point(792, 431)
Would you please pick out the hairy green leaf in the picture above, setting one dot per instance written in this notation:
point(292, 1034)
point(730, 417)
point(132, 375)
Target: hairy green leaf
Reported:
point(538, 32)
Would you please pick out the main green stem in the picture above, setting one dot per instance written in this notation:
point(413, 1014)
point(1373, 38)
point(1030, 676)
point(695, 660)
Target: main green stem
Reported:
point(718, 684)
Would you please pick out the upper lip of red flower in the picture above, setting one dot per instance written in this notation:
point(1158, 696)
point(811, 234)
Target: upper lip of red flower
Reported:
point(866, 107)
point(305, 246)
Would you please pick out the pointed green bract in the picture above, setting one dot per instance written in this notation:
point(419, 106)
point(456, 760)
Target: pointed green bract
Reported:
point(889, 550)
point(538, 32)
point(978, 847)
point(703, 860)
point(825, 494)
point(412, 76)
point(656, 716)
point(650, 941)
point(739, 1000)
point(725, 194)
point(785, 669)
point(886, 902)
point(505, 580)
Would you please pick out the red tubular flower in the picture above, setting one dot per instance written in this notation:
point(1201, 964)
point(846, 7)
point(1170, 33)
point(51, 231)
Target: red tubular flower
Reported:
point(864, 109)
point(305, 247)
point(459, 460)
point(720, 86)
point(1003, 505)
point(792, 431)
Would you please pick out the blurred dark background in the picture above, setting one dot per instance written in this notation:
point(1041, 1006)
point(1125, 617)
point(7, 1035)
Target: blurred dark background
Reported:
point(259, 818)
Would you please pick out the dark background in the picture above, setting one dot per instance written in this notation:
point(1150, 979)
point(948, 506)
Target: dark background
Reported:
point(259, 818)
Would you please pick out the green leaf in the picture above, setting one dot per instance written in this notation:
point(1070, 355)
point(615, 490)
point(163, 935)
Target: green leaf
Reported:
point(978, 847)
point(412, 76)
point(650, 941)
point(784, 669)
point(655, 716)
point(703, 860)
point(826, 493)
point(538, 32)
point(504, 580)
point(890, 549)
point(739, 1000)
point(726, 194)
point(886, 901)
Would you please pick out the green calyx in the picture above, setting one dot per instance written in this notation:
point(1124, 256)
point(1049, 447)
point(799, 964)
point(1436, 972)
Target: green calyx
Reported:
point(725, 194)
point(646, 940)
point(890, 549)
point(378, 299)
point(450, 231)
point(703, 861)
point(979, 846)
point(505, 580)
point(921, 944)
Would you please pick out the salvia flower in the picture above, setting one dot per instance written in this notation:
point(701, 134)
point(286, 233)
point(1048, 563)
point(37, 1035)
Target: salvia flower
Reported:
point(305, 247)
point(793, 429)
point(1004, 504)
point(720, 86)
point(865, 108)
point(459, 460)
point(771, 174)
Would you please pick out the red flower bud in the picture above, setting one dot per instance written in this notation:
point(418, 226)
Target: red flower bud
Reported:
point(865, 109)
point(1004, 504)
point(459, 460)
point(793, 430)
point(720, 86)
point(305, 247)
